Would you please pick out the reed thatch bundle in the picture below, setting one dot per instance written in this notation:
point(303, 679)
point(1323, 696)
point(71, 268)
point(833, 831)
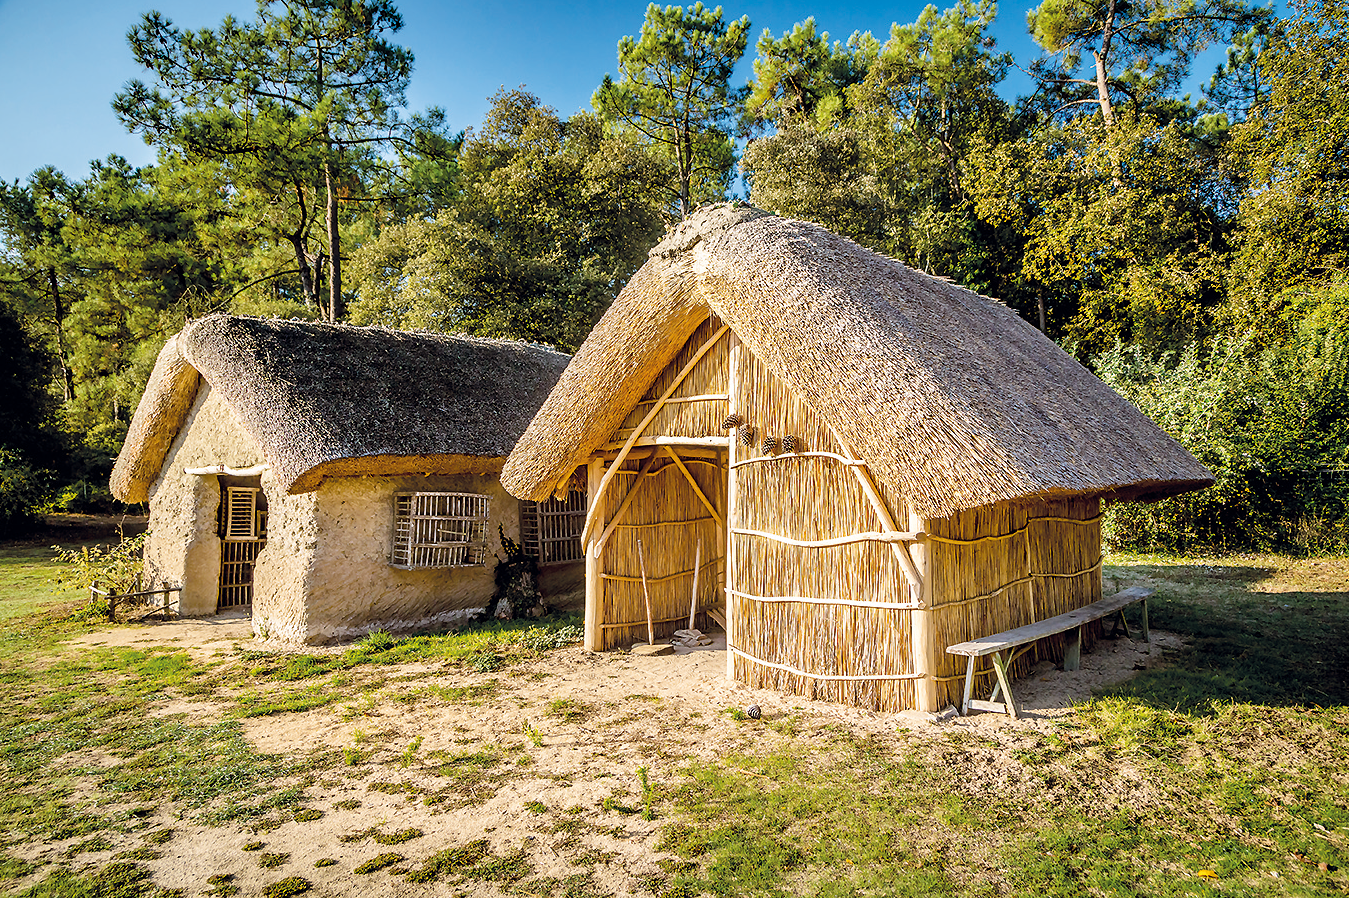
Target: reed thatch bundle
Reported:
point(163, 408)
point(329, 400)
point(953, 400)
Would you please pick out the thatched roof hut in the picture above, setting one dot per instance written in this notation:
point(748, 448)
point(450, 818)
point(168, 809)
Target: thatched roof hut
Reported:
point(332, 400)
point(913, 406)
point(334, 478)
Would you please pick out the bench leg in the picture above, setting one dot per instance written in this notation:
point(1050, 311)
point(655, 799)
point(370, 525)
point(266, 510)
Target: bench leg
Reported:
point(1005, 683)
point(1072, 649)
point(1147, 637)
point(969, 686)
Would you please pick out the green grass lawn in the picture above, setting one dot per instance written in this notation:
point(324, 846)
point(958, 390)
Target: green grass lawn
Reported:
point(26, 572)
point(1223, 771)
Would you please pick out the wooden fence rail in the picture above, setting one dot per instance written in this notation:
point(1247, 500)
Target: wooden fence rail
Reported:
point(124, 597)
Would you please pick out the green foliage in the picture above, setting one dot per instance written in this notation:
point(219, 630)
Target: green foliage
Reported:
point(1295, 218)
point(22, 489)
point(1271, 423)
point(674, 92)
point(116, 567)
point(552, 219)
point(295, 103)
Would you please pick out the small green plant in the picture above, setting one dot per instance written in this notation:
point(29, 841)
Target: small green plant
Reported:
point(399, 837)
point(379, 862)
point(736, 713)
point(325, 862)
point(291, 885)
point(159, 836)
point(536, 807)
point(351, 755)
point(648, 795)
point(255, 845)
point(569, 710)
point(378, 641)
point(410, 753)
point(304, 815)
point(485, 661)
point(222, 885)
point(271, 859)
point(347, 804)
point(116, 568)
point(533, 734)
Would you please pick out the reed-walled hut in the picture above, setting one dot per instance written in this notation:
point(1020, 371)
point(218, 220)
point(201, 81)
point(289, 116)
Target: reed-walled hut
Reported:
point(855, 463)
point(336, 479)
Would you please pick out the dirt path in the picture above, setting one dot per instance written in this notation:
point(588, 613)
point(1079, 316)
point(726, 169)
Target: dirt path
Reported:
point(540, 760)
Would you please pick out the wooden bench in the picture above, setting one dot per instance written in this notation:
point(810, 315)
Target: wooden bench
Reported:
point(1005, 647)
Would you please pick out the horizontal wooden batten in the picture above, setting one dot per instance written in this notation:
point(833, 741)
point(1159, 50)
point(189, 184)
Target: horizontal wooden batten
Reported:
point(675, 576)
point(666, 523)
point(761, 459)
point(870, 537)
point(812, 600)
point(718, 442)
point(703, 397)
point(850, 678)
point(642, 623)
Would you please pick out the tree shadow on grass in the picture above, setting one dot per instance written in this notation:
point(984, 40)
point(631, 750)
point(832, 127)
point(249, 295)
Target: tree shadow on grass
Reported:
point(1276, 648)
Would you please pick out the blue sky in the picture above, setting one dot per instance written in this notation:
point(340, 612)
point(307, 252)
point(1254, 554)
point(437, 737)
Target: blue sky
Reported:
point(61, 61)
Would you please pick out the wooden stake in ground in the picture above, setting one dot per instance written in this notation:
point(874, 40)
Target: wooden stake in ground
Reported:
point(697, 565)
point(650, 629)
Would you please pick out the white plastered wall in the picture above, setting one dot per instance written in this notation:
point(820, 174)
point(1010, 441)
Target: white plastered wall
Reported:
point(325, 574)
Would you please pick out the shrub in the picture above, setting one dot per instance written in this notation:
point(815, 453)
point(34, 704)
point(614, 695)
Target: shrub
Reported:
point(1269, 421)
point(21, 490)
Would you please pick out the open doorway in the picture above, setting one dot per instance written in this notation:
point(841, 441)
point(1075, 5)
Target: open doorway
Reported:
point(242, 527)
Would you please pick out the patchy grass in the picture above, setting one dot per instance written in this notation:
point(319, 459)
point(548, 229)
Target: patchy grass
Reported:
point(1209, 774)
point(1221, 770)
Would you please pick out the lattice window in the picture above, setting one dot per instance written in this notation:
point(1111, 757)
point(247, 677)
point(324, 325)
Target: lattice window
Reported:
point(439, 530)
point(551, 530)
point(240, 513)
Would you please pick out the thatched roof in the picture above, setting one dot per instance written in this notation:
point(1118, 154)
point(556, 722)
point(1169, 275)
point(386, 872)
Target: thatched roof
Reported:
point(328, 400)
point(952, 399)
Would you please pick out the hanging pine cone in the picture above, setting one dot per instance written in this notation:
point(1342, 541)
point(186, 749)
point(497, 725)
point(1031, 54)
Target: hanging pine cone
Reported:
point(747, 435)
point(770, 445)
point(732, 422)
point(789, 443)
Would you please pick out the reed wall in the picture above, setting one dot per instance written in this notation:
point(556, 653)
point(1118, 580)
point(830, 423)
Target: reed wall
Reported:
point(823, 648)
point(805, 617)
point(666, 514)
point(998, 567)
point(679, 418)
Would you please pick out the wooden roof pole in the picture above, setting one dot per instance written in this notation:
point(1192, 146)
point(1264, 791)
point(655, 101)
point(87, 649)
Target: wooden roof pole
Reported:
point(732, 448)
point(594, 627)
point(640, 428)
point(627, 501)
point(887, 518)
point(923, 639)
point(721, 524)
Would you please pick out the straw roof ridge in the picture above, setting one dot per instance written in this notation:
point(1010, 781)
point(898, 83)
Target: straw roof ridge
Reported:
point(954, 400)
point(331, 400)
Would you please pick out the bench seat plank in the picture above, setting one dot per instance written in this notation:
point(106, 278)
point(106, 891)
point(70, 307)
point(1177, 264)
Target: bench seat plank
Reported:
point(998, 642)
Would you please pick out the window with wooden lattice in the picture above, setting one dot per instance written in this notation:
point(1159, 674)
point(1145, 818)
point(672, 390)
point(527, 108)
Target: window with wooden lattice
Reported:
point(551, 530)
point(240, 517)
point(434, 530)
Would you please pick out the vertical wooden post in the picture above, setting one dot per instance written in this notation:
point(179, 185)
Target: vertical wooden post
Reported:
point(732, 519)
point(594, 564)
point(922, 632)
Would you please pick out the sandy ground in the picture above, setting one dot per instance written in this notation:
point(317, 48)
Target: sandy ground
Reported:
point(557, 792)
